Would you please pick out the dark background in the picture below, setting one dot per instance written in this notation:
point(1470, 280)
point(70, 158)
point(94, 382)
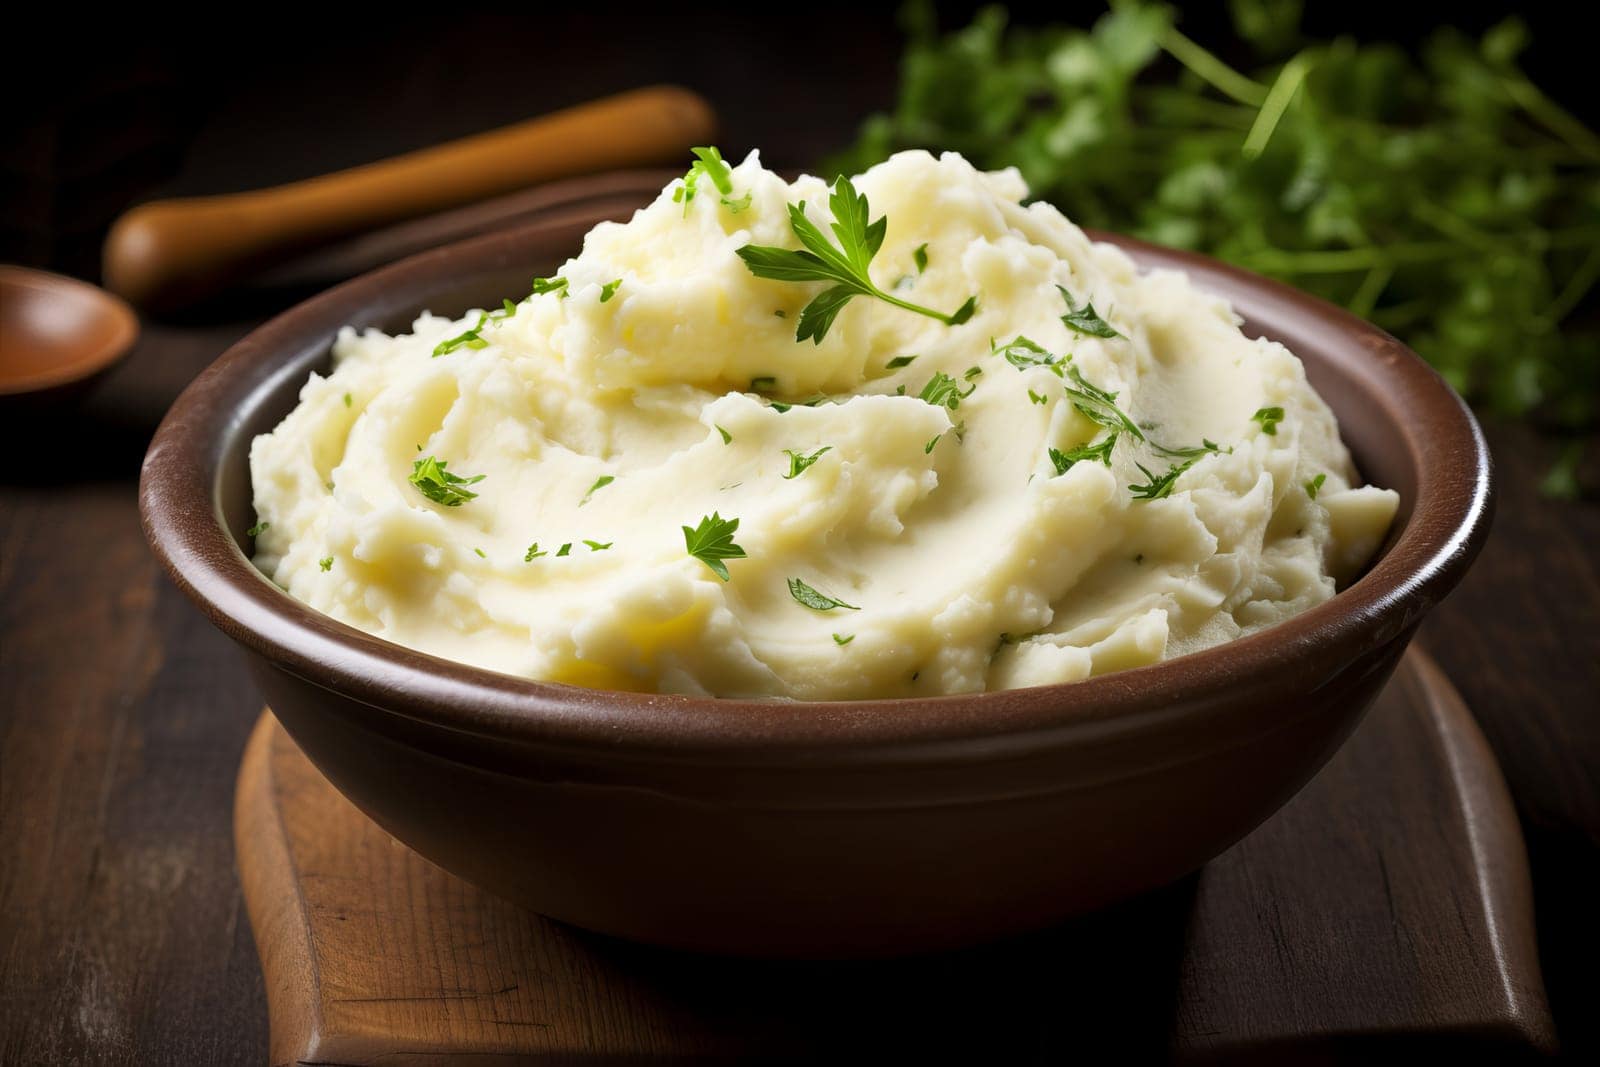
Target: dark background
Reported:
point(122, 714)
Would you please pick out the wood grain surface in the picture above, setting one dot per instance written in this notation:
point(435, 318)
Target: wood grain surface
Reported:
point(1385, 913)
point(123, 714)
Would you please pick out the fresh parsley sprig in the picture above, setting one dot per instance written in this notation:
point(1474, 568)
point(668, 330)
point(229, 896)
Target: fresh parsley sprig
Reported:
point(799, 461)
point(711, 542)
point(814, 600)
point(1101, 451)
point(1085, 319)
point(1157, 486)
point(710, 165)
point(1022, 353)
point(1269, 419)
point(440, 485)
point(844, 265)
point(943, 391)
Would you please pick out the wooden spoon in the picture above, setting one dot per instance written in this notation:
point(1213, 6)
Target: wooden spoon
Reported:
point(168, 253)
point(57, 332)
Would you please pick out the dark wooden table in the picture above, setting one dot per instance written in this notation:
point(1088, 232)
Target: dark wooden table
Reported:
point(123, 714)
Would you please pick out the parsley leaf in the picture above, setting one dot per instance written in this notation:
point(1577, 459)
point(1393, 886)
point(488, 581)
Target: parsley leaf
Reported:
point(480, 553)
point(1085, 320)
point(1022, 353)
point(1269, 419)
point(326, 563)
point(533, 553)
point(1099, 406)
point(711, 542)
point(709, 164)
point(549, 285)
point(1206, 447)
point(919, 256)
point(608, 290)
point(933, 442)
point(598, 546)
point(440, 485)
point(469, 339)
point(599, 483)
point(1314, 486)
point(899, 361)
point(814, 600)
point(564, 550)
point(843, 639)
point(727, 438)
point(1158, 486)
point(1063, 461)
point(258, 529)
point(798, 462)
point(1036, 398)
point(844, 265)
point(942, 391)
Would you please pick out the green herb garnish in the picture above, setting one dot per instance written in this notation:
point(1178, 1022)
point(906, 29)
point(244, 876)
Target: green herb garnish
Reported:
point(326, 563)
point(258, 529)
point(799, 462)
point(599, 483)
point(1269, 419)
point(1099, 406)
point(1157, 486)
point(440, 485)
point(564, 550)
point(1428, 186)
point(479, 551)
point(709, 164)
point(549, 285)
point(1036, 398)
point(1314, 486)
point(765, 384)
point(919, 256)
point(933, 442)
point(1084, 319)
point(469, 339)
point(1063, 461)
point(1022, 353)
point(899, 361)
point(598, 546)
point(608, 290)
point(845, 265)
point(943, 392)
point(711, 542)
point(347, 400)
point(814, 600)
point(533, 553)
point(727, 438)
point(843, 639)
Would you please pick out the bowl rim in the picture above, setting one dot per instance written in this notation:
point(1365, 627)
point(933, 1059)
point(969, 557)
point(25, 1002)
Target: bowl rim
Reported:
point(181, 510)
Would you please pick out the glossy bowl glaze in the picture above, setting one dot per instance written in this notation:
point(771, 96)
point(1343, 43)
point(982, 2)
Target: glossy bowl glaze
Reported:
point(816, 829)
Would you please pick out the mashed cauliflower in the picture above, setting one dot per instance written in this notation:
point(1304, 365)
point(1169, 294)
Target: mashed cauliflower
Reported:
point(522, 490)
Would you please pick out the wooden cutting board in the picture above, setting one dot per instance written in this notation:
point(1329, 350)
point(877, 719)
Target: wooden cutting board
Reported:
point(1384, 914)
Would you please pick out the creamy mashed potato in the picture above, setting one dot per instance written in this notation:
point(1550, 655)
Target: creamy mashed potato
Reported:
point(980, 544)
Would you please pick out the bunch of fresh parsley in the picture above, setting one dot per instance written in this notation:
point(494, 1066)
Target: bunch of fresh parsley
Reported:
point(1442, 196)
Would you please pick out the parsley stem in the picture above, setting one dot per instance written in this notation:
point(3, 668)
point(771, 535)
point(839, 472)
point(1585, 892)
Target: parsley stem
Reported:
point(1557, 119)
point(1577, 287)
point(1222, 77)
point(1277, 102)
point(948, 320)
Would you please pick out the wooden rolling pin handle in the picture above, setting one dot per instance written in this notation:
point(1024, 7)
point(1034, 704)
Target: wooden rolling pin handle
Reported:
point(167, 253)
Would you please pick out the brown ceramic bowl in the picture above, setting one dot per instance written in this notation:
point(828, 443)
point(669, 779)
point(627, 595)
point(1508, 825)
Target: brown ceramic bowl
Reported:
point(824, 829)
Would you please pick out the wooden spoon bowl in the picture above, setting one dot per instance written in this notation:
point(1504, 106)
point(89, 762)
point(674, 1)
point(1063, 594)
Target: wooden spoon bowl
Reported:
point(57, 333)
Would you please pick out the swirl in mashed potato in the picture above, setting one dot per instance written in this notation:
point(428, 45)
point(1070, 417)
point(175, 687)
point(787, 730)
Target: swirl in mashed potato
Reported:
point(663, 383)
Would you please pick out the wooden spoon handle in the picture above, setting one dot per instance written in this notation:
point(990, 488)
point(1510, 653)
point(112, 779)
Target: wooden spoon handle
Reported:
point(167, 253)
